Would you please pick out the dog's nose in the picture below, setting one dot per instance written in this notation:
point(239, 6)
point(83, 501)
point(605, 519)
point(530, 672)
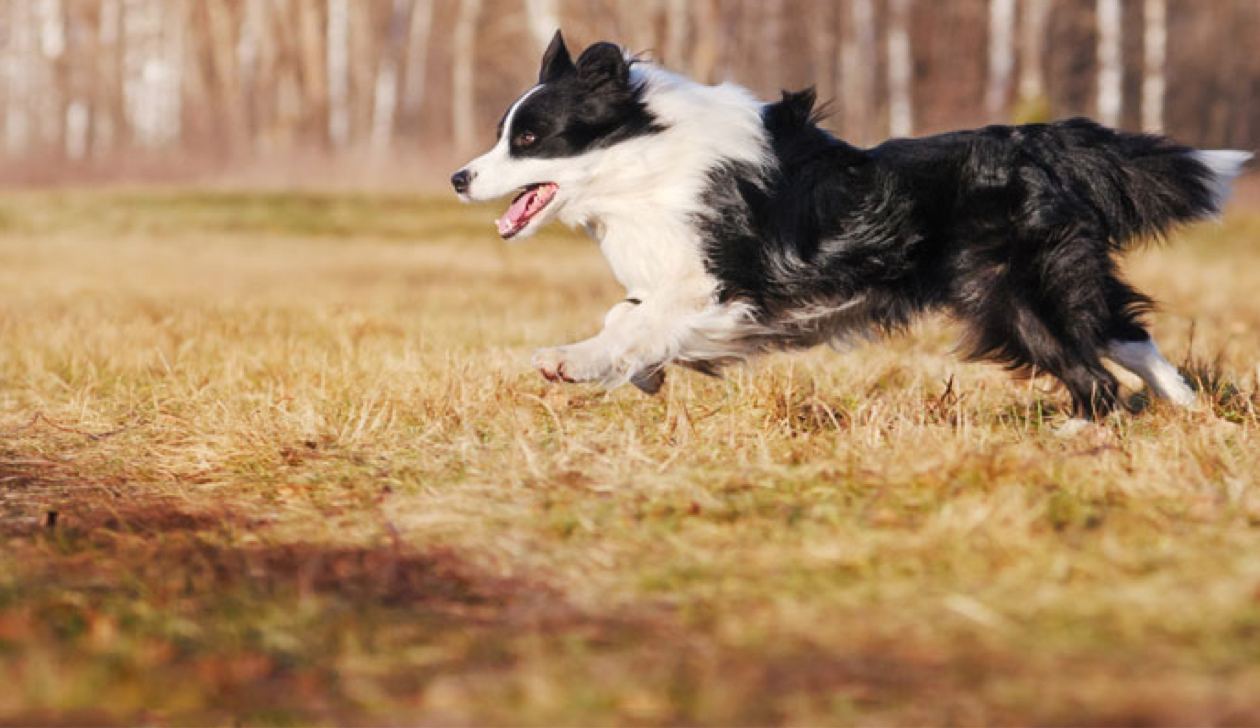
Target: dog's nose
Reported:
point(460, 181)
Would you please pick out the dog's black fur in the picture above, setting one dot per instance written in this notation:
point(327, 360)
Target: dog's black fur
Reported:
point(580, 106)
point(1012, 230)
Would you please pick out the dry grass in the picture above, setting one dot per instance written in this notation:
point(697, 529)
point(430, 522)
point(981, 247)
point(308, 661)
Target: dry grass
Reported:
point(282, 459)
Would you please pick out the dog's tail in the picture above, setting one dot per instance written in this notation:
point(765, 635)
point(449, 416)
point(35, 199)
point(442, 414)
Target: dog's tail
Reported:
point(1223, 165)
point(1144, 185)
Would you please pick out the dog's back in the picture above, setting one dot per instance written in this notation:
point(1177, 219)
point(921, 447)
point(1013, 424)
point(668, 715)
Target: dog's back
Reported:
point(1013, 229)
point(1128, 186)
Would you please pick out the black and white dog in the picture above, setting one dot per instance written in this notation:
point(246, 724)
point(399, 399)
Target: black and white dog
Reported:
point(738, 227)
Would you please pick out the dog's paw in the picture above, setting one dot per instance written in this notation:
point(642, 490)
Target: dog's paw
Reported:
point(552, 365)
point(1073, 427)
point(1092, 433)
point(572, 364)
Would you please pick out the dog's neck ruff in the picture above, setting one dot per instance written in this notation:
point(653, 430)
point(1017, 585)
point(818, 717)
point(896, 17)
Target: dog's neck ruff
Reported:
point(644, 194)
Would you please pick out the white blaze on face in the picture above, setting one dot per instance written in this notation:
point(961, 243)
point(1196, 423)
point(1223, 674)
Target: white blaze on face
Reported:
point(496, 173)
point(503, 141)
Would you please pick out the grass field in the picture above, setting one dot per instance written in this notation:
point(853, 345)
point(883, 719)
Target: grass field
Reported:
point(272, 459)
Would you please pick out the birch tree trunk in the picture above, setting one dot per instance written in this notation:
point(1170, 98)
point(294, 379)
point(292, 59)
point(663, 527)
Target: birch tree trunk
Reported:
point(1110, 60)
point(1032, 47)
point(417, 63)
point(1155, 52)
point(1001, 56)
point(337, 58)
point(174, 41)
point(137, 25)
point(282, 73)
point(543, 19)
point(107, 115)
point(312, 69)
point(463, 76)
point(769, 45)
point(223, 59)
point(250, 44)
point(364, 55)
point(152, 44)
point(822, 47)
point(76, 82)
point(704, 53)
point(19, 61)
point(385, 91)
point(635, 23)
point(49, 104)
point(858, 64)
point(900, 71)
point(675, 33)
point(260, 50)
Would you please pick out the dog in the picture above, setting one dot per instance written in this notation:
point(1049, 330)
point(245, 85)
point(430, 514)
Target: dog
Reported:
point(739, 227)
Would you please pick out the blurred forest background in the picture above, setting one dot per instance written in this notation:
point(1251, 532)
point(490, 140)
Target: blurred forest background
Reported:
point(400, 90)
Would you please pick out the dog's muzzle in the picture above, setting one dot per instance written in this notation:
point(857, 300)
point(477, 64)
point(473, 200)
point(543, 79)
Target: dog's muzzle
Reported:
point(461, 180)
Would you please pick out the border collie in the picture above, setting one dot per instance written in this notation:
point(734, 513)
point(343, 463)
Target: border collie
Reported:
point(738, 226)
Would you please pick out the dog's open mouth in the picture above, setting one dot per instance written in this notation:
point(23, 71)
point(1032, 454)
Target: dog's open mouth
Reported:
point(533, 200)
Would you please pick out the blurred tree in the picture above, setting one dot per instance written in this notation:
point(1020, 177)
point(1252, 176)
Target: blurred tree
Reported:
point(704, 53)
point(1110, 103)
point(900, 71)
point(463, 76)
point(103, 82)
point(1155, 41)
point(543, 17)
point(1034, 103)
point(420, 26)
point(676, 24)
point(858, 69)
point(337, 57)
point(1001, 56)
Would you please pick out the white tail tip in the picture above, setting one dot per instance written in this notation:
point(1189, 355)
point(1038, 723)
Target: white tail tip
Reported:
point(1225, 164)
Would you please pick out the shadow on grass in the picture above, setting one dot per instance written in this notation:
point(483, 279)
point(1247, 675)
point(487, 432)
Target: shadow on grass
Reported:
point(142, 607)
point(130, 606)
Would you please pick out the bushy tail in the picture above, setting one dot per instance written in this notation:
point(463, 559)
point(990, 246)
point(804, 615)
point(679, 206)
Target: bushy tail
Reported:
point(1223, 165)
point(1144, 185)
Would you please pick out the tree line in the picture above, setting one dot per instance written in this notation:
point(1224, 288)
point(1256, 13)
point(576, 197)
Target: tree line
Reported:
point(90, 82)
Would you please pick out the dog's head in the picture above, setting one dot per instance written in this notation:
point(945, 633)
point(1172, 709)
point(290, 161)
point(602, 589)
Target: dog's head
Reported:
point(550, 139)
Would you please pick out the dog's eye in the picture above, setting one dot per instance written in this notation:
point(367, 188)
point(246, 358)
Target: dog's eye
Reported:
point(525, 138)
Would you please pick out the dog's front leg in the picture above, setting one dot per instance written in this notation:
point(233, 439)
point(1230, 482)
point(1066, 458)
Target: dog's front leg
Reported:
point(638, 339)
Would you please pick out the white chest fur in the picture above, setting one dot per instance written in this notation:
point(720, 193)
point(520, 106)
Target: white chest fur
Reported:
point(643, 195)
point(650, 256)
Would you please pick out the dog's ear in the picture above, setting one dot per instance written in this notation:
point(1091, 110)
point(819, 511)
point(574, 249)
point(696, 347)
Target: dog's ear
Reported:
point(603, 65)
point(556, 61)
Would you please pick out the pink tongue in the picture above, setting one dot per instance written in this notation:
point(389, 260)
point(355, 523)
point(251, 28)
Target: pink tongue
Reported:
point(512, 217)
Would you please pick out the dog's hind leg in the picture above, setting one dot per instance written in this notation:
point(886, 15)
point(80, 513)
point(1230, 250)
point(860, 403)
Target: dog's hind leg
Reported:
point(1075, 362)
point(1142, 358)
point(1047, 311)
point(1130, 346)
point(1016, 334)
